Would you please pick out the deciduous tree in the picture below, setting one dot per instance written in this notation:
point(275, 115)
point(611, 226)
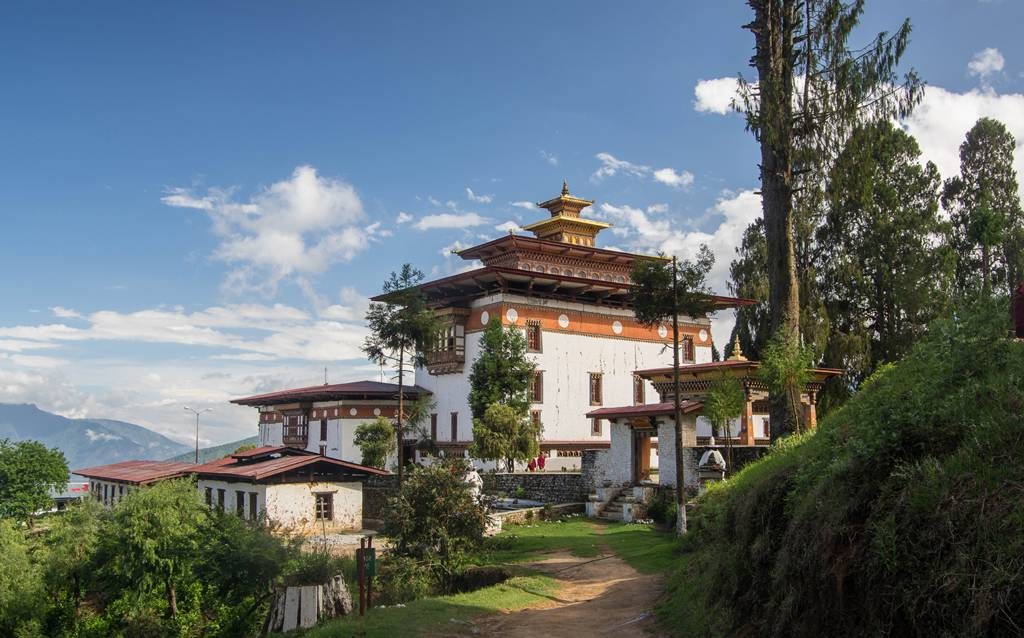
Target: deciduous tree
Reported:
point(28, 472)
point(375, 439)
point(502, 371)
point(505, 434)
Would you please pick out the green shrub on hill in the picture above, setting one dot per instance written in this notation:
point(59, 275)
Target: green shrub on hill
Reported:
point(903, 515)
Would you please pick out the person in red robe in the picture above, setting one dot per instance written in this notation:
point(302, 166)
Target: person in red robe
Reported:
point(532, 465)
point(540, 462)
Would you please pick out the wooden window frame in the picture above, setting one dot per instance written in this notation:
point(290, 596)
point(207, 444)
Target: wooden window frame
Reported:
point(455, 426)
point(689, 351)
point(535, 419)
point(253, 505)
point(596, 388)
point(596, 427)
point(537, 387)
point(323, 506)
point(209, 497)
point(220, 499)
point(534, 332)
point(240, 503)
point(639, 390)
point(433, 426)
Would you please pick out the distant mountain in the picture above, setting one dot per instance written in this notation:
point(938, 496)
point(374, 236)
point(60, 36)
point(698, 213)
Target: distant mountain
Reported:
point(85, 442)
point(213, 453)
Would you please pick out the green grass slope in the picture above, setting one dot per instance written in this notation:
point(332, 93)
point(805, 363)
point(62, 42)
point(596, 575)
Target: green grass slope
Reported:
point(902, 516)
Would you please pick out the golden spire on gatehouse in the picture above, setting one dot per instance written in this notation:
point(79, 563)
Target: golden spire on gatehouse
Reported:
point(566, 223)
point(737, 353)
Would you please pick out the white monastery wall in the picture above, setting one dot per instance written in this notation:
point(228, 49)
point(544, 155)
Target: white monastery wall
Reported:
point(760, 426)
point(340, 435)
point(230, 498)
point(294, 506)
point(567, 360)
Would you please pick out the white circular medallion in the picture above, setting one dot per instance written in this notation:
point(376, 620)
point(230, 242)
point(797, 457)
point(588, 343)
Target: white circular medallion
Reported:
point(662, 331)
point(352, 411)
point(617, 327)
point(703, 334)
point(563, 321)
point(376, 412)
point(511, 315)
point(484, 317)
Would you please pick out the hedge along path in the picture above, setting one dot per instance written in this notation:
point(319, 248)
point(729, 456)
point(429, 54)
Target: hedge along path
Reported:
point(597, 596)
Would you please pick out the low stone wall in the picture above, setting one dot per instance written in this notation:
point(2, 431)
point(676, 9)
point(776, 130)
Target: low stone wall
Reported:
point(546, 487)
point(376, 490)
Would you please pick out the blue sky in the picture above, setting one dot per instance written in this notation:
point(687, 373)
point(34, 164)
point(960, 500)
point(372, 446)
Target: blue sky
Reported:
point(197, 198)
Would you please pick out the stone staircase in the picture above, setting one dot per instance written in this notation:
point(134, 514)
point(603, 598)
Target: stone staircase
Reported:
point(620, 508)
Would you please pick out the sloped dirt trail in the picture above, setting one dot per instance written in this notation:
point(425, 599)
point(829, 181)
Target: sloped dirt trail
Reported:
point(600, 596)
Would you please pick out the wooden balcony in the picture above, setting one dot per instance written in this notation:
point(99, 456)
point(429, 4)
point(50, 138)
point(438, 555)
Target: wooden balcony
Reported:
point(295, 435)
point(446, 361)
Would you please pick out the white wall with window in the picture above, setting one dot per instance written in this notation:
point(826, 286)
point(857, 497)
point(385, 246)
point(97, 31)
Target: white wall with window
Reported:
point(303, 507)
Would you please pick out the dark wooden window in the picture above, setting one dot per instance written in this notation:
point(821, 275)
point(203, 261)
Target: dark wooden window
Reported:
point(537, 387)
point(686, 350)
point(209, 497)
point(638, 390)
point(220, 499)
point(323, 429)
point(433, 426)
point(533, 337)
point(535, 418)
point(295, 430)
point(105, 501)
point(596, 395)
point(455, 426)
point(240, 504)
point(325, 507)
point(253, 509)
point(596, 427)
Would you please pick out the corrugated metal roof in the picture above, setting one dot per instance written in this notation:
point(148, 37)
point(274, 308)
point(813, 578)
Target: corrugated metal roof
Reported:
point(138, 472)
point(289, 460)
point(331, 392)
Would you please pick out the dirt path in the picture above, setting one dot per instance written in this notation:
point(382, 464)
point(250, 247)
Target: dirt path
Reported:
point(597, 597)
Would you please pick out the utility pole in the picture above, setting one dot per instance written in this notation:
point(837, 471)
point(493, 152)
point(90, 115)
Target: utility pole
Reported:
point(197, 413)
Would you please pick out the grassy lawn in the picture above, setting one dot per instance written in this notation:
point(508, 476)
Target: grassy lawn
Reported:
point(427, 614)
point(647, 550)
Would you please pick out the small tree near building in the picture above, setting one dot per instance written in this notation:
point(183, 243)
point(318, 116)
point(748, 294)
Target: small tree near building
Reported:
point(723, 404)
point(28, 472)
point(505, 434)
point(375, 439)
point(435, 519)
point(401, 332)
point(502, 371)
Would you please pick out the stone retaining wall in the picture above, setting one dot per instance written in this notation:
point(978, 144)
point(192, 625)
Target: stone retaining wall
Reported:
point(546, 487)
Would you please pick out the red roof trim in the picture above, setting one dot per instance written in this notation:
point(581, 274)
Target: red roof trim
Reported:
point(469, 253)
point(648, 409)
point(336, 391)
point(270, 467)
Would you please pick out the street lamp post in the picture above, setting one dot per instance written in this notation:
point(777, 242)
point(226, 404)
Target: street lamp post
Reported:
point(197, 413)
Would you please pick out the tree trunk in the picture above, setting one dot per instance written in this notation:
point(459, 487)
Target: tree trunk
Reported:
point(401, 412)
point(774, 25)
point(172, 599)
point(677, 407)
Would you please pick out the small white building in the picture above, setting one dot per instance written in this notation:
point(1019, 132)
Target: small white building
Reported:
point(302, 491)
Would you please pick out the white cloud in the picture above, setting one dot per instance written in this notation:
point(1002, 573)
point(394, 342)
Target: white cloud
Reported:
point(671, 178)
point(450, 220)
point(986, 62)
point(403, 218)
point(479, 199)
point(297, 226)
point(100, 436)
point(657, 208)
point(509, 226)
point(941, 121)
point(525, 205)
point(716, 95)
point(611, 165)
point(550, 158)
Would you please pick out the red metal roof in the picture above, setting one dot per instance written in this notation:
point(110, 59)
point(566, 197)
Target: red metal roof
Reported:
point(648, 409)
point(268, 450)
point(331, 392)
point(138, 472)
point(289, 461)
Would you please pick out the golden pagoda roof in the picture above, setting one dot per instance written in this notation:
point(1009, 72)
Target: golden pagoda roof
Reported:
point(565, 205)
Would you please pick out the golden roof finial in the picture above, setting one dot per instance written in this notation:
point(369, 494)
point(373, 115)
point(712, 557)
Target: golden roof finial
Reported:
point(565, 187)
point(737, 353)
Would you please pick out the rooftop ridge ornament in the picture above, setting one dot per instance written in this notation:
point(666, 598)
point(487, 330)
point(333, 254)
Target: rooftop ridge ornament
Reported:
point(565, 187)
point(737, 352)
point(566, 224)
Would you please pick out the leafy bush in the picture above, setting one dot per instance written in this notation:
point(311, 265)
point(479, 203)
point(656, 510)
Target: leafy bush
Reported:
point(662, 509)
point(478, 577)
point(435, 519)
point(903, 515)
point(401, 579)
